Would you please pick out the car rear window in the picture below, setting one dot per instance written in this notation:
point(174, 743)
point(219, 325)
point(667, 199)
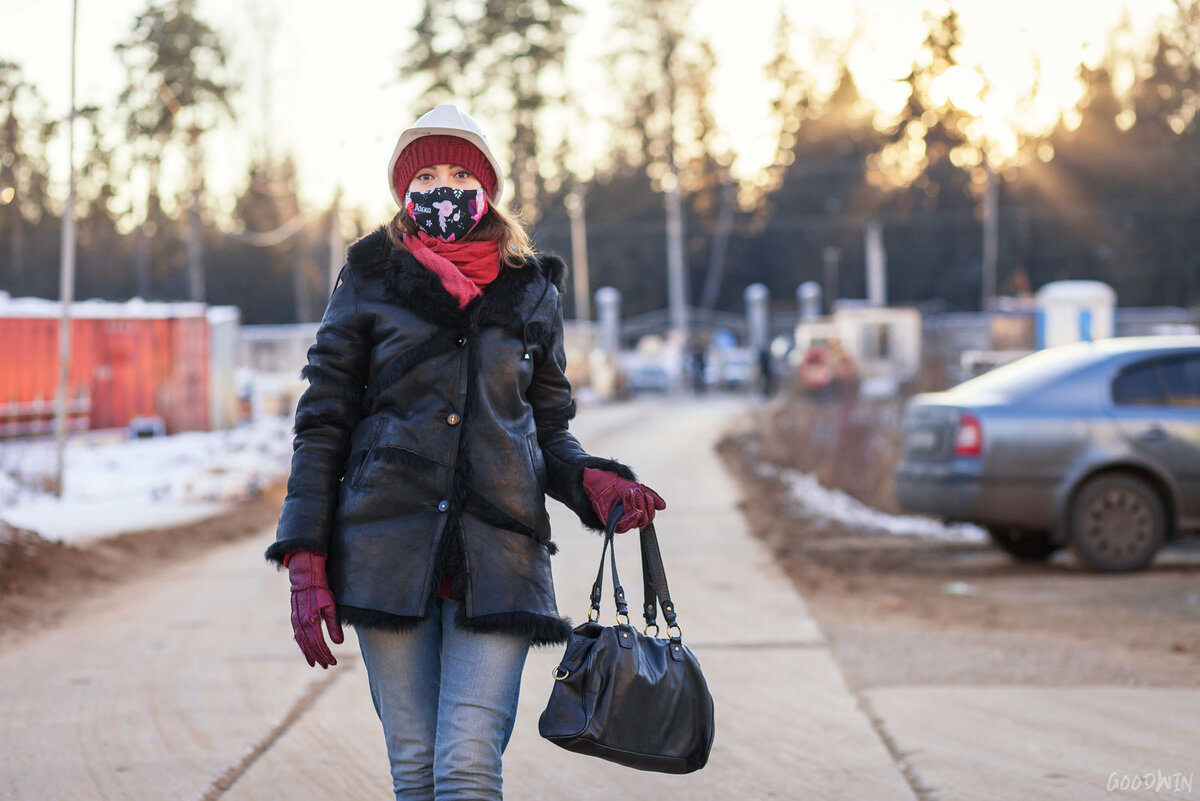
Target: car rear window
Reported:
point(1182, 379)
point(1139, 385)
point(1169, 381)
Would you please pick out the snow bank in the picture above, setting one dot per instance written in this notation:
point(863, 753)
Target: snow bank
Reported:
point(114, 485)
point(822, 505)
point(101, 309)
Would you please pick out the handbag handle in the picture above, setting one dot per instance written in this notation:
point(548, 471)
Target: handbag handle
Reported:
point(598, 584)
point(654, 576)
point(654, 579)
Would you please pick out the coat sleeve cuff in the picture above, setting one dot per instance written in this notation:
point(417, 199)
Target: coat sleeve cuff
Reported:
point(281, 548)
point(566, 486)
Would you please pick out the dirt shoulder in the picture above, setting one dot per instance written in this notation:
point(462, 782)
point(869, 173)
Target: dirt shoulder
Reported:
point(42, 581)
point(901, 610)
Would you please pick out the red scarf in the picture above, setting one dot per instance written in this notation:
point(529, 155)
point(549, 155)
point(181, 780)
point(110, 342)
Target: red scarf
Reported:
point(464, 268)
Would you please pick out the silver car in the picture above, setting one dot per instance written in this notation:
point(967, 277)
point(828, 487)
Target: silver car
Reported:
point(1093, 445)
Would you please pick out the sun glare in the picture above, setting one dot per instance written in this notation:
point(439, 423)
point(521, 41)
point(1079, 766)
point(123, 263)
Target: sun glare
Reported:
point(960, 87)
point(1017, 75)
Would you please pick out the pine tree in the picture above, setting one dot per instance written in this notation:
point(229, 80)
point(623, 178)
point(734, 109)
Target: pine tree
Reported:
point(927, 144)
point(652, 53)
point(24, 171)
point(789, 107)
point(178, 89)
point(269, 211)
point(505, 57)
point(99, 270)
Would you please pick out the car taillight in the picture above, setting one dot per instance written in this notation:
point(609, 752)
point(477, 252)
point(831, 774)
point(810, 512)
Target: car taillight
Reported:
point(968, 440)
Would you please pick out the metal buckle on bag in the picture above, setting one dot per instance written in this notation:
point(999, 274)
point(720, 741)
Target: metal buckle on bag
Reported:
point(649, 626)
point(625, 615)
point(558, 669)
point(593, 614)
point(675, 632)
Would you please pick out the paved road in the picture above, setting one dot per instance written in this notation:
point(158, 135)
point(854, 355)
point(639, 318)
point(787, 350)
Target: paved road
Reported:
point(188, 685)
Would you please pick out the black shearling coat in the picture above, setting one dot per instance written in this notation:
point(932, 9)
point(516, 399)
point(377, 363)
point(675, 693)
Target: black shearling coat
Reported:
point(427, 441)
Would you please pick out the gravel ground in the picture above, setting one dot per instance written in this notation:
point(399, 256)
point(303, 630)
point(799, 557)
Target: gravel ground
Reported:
point(903, 610)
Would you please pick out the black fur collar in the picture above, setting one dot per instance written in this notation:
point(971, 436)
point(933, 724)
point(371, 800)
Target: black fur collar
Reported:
point(508, 301)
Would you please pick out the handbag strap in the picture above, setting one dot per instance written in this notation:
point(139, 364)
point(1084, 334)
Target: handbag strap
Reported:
point(650, 607)
point(598, 585)
point(654, 577)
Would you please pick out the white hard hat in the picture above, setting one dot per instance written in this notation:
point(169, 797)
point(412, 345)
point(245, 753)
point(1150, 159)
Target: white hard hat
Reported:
point(444, 120)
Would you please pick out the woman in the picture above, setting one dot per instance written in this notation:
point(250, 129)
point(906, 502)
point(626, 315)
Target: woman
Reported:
point(433, 427)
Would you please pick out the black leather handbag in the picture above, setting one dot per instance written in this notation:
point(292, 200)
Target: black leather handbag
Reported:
point(623, 695)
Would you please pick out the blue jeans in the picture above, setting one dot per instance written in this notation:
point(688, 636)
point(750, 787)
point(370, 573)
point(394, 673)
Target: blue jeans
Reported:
point(447, 699)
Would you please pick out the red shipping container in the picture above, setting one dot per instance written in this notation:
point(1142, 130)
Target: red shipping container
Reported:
point(127, 360)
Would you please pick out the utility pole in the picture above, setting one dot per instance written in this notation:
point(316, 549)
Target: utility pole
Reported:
point(194, 241)
point(716, 257)
point(676, 278)
point(991, 211)
point(66, 279)
point(576, 211)
point(831, 256)
point(337, 244)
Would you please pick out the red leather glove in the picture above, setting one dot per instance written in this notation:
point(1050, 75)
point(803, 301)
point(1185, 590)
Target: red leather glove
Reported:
point(312, 601)
point(605, 490)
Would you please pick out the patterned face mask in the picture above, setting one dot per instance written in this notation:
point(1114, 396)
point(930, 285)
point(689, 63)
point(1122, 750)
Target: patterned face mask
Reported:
point(446, 213)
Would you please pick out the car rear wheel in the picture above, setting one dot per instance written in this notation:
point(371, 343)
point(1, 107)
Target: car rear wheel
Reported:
point(1118, 523)
point(1022, 544)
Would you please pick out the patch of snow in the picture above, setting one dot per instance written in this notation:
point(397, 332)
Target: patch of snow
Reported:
point(823, 506)
point(880, 386)
point(99, 309)
point(81, 522)
point(223, 314)
point(114, 485)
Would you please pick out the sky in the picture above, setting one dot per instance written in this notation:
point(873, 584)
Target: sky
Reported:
point(336, 101)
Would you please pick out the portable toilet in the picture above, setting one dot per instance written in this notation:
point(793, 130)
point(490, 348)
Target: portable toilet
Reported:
point(1073, 311)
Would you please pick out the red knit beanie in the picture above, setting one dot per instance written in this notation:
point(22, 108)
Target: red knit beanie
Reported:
point(426, 151)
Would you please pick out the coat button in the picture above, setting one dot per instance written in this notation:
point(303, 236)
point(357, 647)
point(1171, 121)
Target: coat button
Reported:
point(453, 419)
point(443, 506)
point(462, 341)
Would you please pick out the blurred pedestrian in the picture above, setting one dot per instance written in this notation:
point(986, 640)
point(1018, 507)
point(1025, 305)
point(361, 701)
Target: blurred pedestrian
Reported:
point(433, 427)
point(699, 364)
point(845, 380)
point(766, 372)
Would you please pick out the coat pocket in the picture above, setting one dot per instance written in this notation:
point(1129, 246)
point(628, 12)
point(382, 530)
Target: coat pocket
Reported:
point(536, 459)
point(360, 457)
